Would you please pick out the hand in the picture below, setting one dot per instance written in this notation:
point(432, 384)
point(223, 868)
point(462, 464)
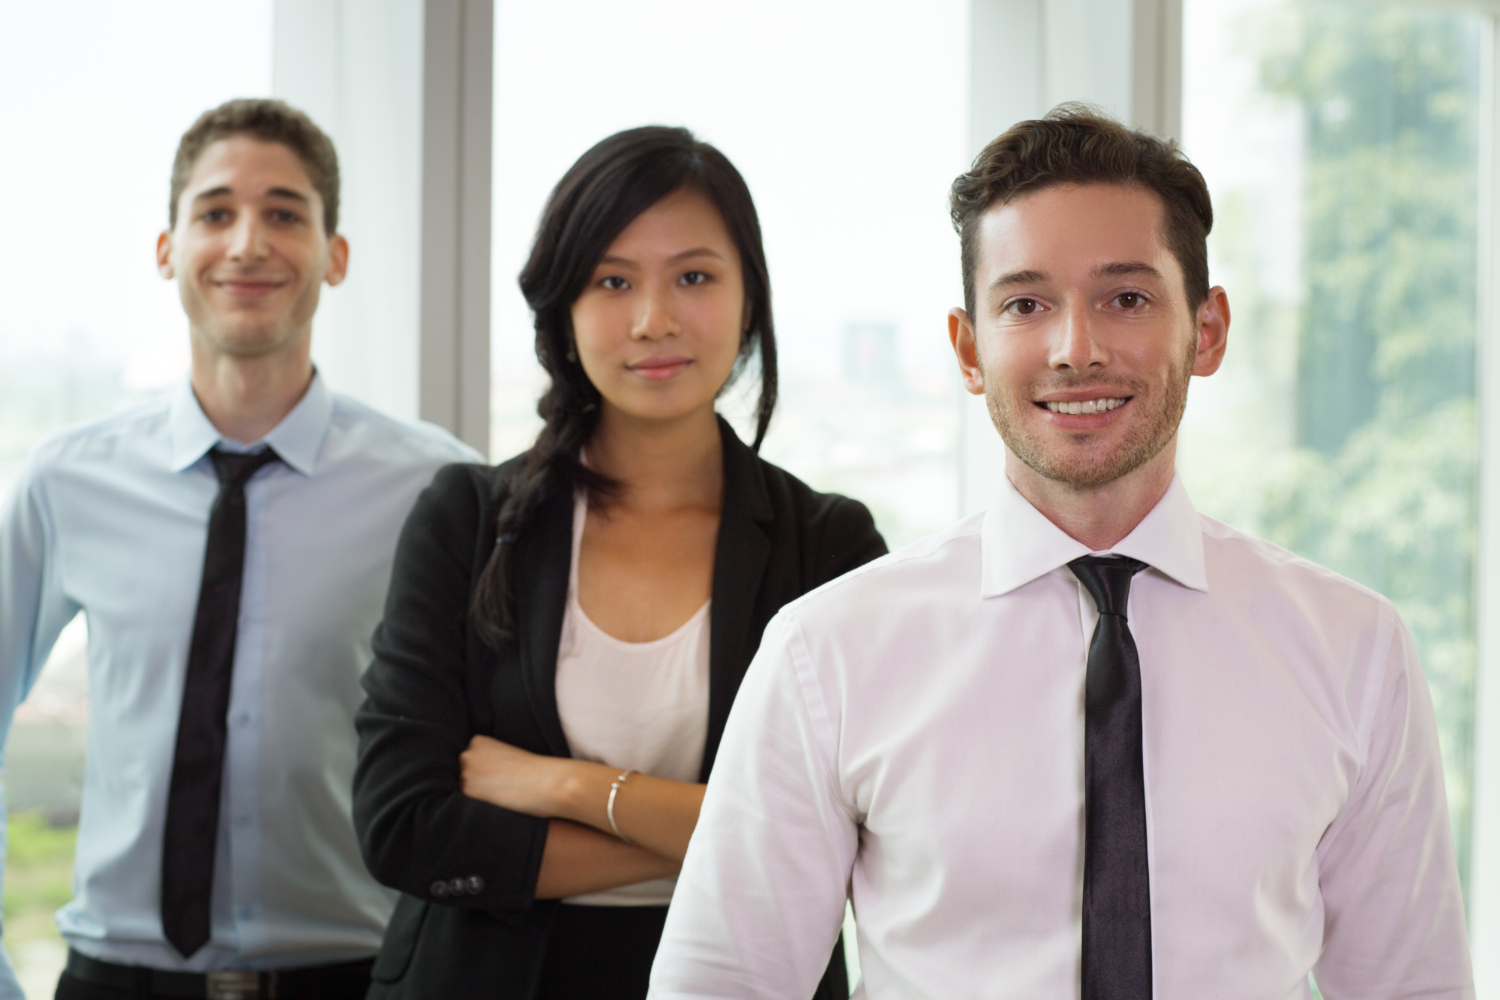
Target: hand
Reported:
point(515, 779)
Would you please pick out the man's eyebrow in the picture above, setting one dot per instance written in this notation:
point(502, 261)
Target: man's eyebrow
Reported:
point(1018, 278)
point(1128, 268)
point(278, 192)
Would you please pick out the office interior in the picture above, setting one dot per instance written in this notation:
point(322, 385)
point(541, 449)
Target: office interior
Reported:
point(1350, 146)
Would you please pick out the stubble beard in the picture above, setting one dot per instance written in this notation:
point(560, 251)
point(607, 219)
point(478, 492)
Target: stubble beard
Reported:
point(239, 338)
point(1082, 469)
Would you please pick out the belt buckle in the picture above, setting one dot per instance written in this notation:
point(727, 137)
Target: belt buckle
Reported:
point(232, 984)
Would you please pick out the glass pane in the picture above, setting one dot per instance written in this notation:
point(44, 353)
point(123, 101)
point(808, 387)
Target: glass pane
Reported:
point(848, 121)
point(93, 97)
point(1340, 138)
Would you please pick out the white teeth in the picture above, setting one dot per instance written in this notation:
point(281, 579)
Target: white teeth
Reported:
point(1086, 406)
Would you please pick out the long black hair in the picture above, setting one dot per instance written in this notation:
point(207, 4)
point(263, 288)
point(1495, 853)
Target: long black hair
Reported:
point(599, 196)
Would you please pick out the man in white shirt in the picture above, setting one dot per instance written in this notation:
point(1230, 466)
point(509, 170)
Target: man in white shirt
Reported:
point(1227, 780)
point(230, 545)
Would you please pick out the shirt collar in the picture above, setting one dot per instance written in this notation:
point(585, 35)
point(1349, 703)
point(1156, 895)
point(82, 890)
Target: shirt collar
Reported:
point(297, 439)
point(1019, 544)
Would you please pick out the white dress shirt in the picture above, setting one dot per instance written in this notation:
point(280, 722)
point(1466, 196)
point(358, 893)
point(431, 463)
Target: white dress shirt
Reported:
point(912, 733)
point(111, 519)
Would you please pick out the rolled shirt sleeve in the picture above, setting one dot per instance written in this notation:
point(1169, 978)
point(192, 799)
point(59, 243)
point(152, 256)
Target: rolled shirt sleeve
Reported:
point(760, 900)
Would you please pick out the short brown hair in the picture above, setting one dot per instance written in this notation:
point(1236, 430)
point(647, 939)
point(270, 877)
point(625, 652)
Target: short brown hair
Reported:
point(269, 121)
point(1078, 144)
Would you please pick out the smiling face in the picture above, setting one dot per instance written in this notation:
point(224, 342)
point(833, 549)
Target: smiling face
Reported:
point(1085, 340)
point(658, 329)
point(249, 251)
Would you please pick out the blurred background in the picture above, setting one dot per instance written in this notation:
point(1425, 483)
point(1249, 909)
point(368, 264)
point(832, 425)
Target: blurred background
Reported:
point(1349, 145)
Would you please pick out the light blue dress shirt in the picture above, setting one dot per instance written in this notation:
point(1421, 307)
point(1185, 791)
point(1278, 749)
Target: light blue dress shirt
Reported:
point(110, 519)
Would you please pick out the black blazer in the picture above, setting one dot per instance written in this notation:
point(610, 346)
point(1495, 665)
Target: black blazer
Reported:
point(467, 924)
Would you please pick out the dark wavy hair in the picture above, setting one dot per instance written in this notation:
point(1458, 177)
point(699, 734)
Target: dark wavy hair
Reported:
point(599, 196)
point(1079, 144)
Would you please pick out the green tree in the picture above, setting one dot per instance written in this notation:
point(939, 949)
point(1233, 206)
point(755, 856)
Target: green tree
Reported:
point(1382, 485)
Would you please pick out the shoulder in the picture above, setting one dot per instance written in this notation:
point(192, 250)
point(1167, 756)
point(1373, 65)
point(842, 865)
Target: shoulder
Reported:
point(397, 441)
point(463, 496)
point(831, 534)
point(1262, 575)
point(102, 439)
point(918, 578)
point(791, 497)
point(466, 486)
point(1336, 634)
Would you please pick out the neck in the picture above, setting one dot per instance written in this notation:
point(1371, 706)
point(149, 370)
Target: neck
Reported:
point(246, 397)
point(662, 464)
point(1097, 516)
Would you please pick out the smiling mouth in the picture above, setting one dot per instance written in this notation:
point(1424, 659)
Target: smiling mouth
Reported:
point(248, 286)
point(1082, 406)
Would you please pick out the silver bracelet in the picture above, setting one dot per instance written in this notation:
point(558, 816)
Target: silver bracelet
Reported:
point(609, 808)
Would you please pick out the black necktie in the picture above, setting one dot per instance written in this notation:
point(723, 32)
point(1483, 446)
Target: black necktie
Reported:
point(192, 826)
point(1116, 879)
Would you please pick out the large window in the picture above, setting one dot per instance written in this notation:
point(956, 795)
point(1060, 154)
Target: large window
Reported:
point(848, 120)
point(93, 97)
point(1341, 140)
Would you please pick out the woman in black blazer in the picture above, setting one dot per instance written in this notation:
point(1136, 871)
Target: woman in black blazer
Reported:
point(649, 285)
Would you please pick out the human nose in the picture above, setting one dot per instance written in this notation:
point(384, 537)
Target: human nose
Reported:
point(1077, 346)
point(247, 238)
point(656, 319)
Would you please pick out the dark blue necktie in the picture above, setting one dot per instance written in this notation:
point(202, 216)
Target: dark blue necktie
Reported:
point(1116, 877)
point(192, 823)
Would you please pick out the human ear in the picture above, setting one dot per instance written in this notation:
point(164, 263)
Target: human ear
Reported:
point(338, 260)
point(961, 336)
point(164, 255)
point(1212, 332)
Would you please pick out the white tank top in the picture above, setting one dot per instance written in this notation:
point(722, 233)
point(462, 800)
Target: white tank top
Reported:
point(642, 705)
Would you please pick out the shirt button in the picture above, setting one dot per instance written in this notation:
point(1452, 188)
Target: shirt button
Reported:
point(242, 718)
point(457, 887)
point(476, 885)
point(439, 889)
point(246, 912)
point(242, 818)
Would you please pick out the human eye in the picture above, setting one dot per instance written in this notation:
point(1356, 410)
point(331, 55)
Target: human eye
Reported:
point(1131, 301)
point(1022, 306)
point(693, 278)
point(285, 216)
point(213, 216)
point(614, 283)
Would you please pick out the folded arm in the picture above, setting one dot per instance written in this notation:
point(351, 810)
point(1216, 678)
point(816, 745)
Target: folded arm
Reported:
point(655, 813)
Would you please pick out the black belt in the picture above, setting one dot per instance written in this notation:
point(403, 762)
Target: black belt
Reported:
point(224, 984)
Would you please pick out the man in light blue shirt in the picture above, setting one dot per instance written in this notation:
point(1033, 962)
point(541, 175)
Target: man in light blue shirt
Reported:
point(124, 519)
